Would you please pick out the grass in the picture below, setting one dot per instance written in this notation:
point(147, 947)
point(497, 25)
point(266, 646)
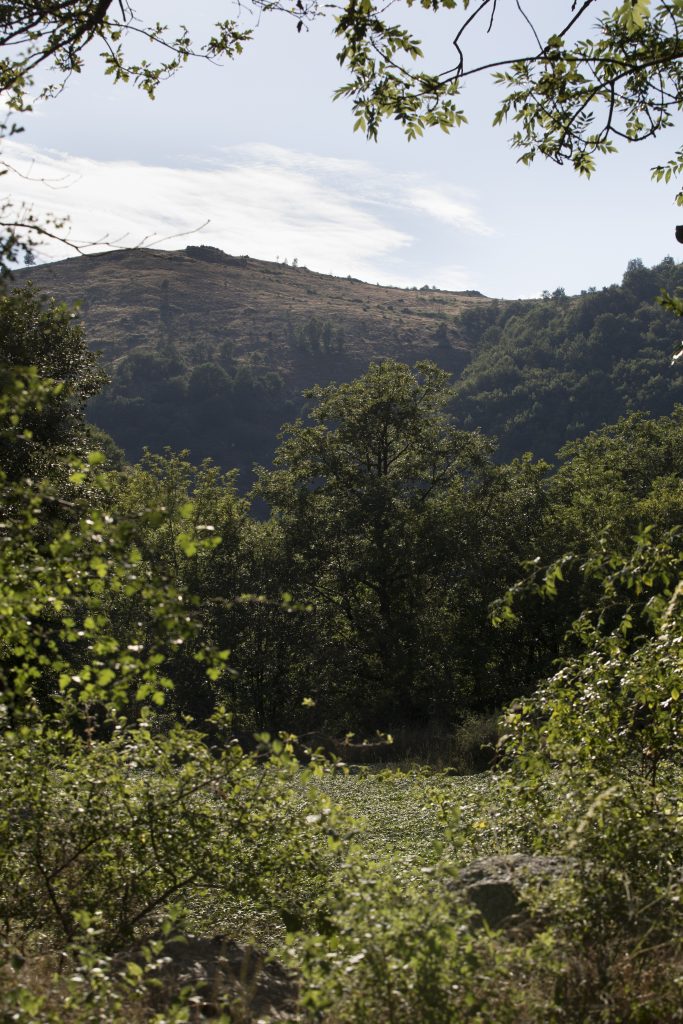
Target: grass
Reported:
point(407, 817)
point(406, 820)
point(416, 814)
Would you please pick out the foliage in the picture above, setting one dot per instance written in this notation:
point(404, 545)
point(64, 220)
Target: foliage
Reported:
point(55, 38)
point(162, 398)
point(412, 953)
point(118, 815)
point(129, 828)
point(399, 529)
point(615, 480)
point(396, 560)
point(191, 507)
point(613, 710)
point(395, 563)
point(393, 960)
point(606, 487)
point(570, 98)
point(596, 757)
point(552, 370)
point(594, 777)
point(110, 818)
point(48, 337)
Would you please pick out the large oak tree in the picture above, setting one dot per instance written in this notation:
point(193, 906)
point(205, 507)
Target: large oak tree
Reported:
point(399, 529)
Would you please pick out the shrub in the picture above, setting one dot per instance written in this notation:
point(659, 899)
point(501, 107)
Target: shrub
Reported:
point(110, 819)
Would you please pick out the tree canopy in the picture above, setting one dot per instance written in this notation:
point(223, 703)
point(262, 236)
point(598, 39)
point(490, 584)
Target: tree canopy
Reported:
point(547, 371)
point(399, 529)
point(48, 338)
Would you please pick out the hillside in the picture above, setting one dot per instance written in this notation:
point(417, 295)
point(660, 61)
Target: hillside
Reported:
point(547, 371)
point(211, 352)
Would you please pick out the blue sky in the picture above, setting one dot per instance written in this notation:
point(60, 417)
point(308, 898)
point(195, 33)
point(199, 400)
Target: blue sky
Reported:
point(258, 149)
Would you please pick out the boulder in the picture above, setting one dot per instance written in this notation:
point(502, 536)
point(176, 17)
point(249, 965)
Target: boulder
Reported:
point(495, 886)
point(226, 975)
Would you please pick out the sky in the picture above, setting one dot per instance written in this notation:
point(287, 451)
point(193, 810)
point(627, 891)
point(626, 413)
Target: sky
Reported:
point(254, 157)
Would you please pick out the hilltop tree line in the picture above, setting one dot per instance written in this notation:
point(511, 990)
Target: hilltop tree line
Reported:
point(551, 370)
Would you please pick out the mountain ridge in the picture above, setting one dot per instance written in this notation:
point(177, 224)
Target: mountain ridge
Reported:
point(169, 283)
point(212, 352)
point(273, 329)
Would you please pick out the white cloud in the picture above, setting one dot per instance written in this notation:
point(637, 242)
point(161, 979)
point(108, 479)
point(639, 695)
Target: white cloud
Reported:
point(442, 206)
point(333, 215)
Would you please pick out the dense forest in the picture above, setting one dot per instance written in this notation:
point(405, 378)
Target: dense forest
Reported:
point(212, 352)
point(391, 529)
point(549, 371)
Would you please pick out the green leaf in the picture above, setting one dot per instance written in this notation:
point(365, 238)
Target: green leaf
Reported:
point(187, 545)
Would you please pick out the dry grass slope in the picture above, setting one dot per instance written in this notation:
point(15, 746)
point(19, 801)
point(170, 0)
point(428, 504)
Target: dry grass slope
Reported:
point(136, 298)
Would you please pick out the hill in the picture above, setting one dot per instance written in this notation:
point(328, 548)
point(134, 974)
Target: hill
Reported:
point(211, 352)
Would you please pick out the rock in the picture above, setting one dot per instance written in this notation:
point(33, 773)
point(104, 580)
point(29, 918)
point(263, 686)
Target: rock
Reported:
point(495, 885)
point(211, 254)
point(227, 976)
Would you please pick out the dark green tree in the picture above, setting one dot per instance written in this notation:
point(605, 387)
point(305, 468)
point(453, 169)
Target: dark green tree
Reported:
point(617, 480)
point(392, 525)
point(610, 487)
point(41, 333)
point(545, 372)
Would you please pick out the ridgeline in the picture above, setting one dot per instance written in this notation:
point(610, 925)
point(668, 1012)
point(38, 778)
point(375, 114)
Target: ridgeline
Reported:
point(212, 352)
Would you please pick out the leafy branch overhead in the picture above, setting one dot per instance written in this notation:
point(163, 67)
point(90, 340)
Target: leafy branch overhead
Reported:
point(587, 79)
point(569, 98)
